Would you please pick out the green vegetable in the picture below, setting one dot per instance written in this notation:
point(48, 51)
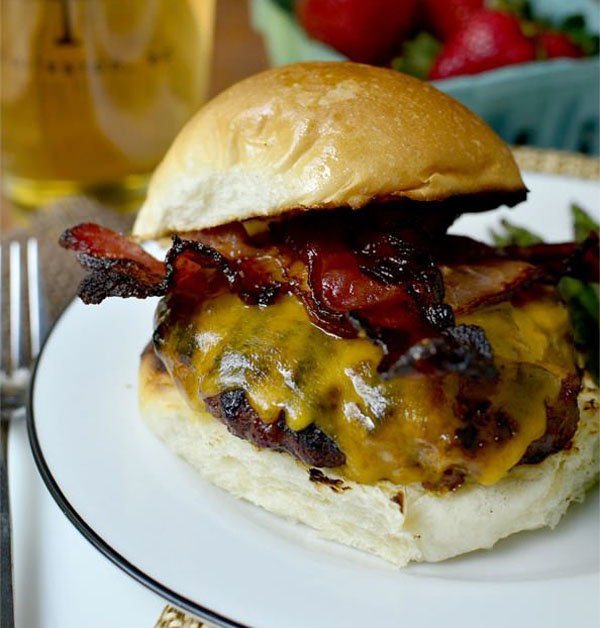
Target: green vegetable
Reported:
point(583, 223)
point(582, 299)
point(583, 304)
point(514, 235)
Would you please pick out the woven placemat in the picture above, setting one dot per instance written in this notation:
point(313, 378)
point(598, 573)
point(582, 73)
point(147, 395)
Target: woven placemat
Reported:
point(174, 618)
point(557, 162)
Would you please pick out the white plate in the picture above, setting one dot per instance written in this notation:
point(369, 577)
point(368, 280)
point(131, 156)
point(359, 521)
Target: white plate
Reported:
point(226, 560)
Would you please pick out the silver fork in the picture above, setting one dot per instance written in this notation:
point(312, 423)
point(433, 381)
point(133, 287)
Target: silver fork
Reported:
point(20, 340)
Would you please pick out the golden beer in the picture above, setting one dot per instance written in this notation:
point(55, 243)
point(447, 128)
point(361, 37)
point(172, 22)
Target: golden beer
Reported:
point(94, 91)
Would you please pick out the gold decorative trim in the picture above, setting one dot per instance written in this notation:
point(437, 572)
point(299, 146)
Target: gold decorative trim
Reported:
point(557, 162)
point(172, 617)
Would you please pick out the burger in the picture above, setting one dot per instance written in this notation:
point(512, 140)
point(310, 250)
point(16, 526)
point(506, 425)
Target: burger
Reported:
point(324, 348)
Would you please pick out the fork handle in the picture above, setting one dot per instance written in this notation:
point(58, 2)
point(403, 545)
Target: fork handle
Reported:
point(7, 616)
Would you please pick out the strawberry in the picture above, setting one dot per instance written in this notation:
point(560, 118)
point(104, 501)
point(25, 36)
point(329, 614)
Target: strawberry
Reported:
point(489, 39)
point(553, 44)
point(363, 30)
point(445, 17)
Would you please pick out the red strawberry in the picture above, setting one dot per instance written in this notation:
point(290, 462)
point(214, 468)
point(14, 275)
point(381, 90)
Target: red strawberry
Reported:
point(444, 17)
point(554, 44)
point(489, 39)
point(364, 30)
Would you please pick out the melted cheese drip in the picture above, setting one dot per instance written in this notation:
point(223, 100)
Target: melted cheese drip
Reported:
point(404, 429)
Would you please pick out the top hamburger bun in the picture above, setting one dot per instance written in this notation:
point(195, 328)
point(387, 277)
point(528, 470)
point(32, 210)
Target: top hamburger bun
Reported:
point(294, 138)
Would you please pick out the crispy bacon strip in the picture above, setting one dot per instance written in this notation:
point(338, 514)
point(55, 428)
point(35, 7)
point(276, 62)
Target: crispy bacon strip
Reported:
point(118, 266)
point(257, 279)
point(578, 260)
point(92, 240)
point(230, 240)
point(384, 283)
point(469, 286)
point(557, 260)
point(463, 349)
point(389, 287)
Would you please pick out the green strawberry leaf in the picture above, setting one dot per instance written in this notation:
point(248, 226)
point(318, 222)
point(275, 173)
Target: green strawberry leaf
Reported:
point(574, 26)
point(418, 55)
point(521, 8)
point(286, 5)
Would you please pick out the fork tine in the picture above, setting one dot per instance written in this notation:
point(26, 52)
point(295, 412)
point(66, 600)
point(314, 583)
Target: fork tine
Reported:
point(15, 304)
point(2, 356)
point(33, 288)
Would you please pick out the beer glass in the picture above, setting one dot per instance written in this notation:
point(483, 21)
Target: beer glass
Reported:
point(94, 91)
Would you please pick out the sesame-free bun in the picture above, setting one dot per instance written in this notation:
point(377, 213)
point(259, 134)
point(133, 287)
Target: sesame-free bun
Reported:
point(324, 135)
point(398, 523)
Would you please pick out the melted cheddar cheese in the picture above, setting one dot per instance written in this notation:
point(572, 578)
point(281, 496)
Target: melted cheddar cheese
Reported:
point(404, 429)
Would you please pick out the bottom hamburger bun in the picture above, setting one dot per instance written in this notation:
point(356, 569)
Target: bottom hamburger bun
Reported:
point(398, 523)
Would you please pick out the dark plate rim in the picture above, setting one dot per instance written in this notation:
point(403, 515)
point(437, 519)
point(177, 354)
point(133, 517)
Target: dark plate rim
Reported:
point(86, 529)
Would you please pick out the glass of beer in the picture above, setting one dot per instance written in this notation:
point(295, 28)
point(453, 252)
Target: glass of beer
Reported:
point(94, 91)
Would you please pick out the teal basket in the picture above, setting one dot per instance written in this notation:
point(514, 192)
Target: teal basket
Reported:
point(551, 104)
